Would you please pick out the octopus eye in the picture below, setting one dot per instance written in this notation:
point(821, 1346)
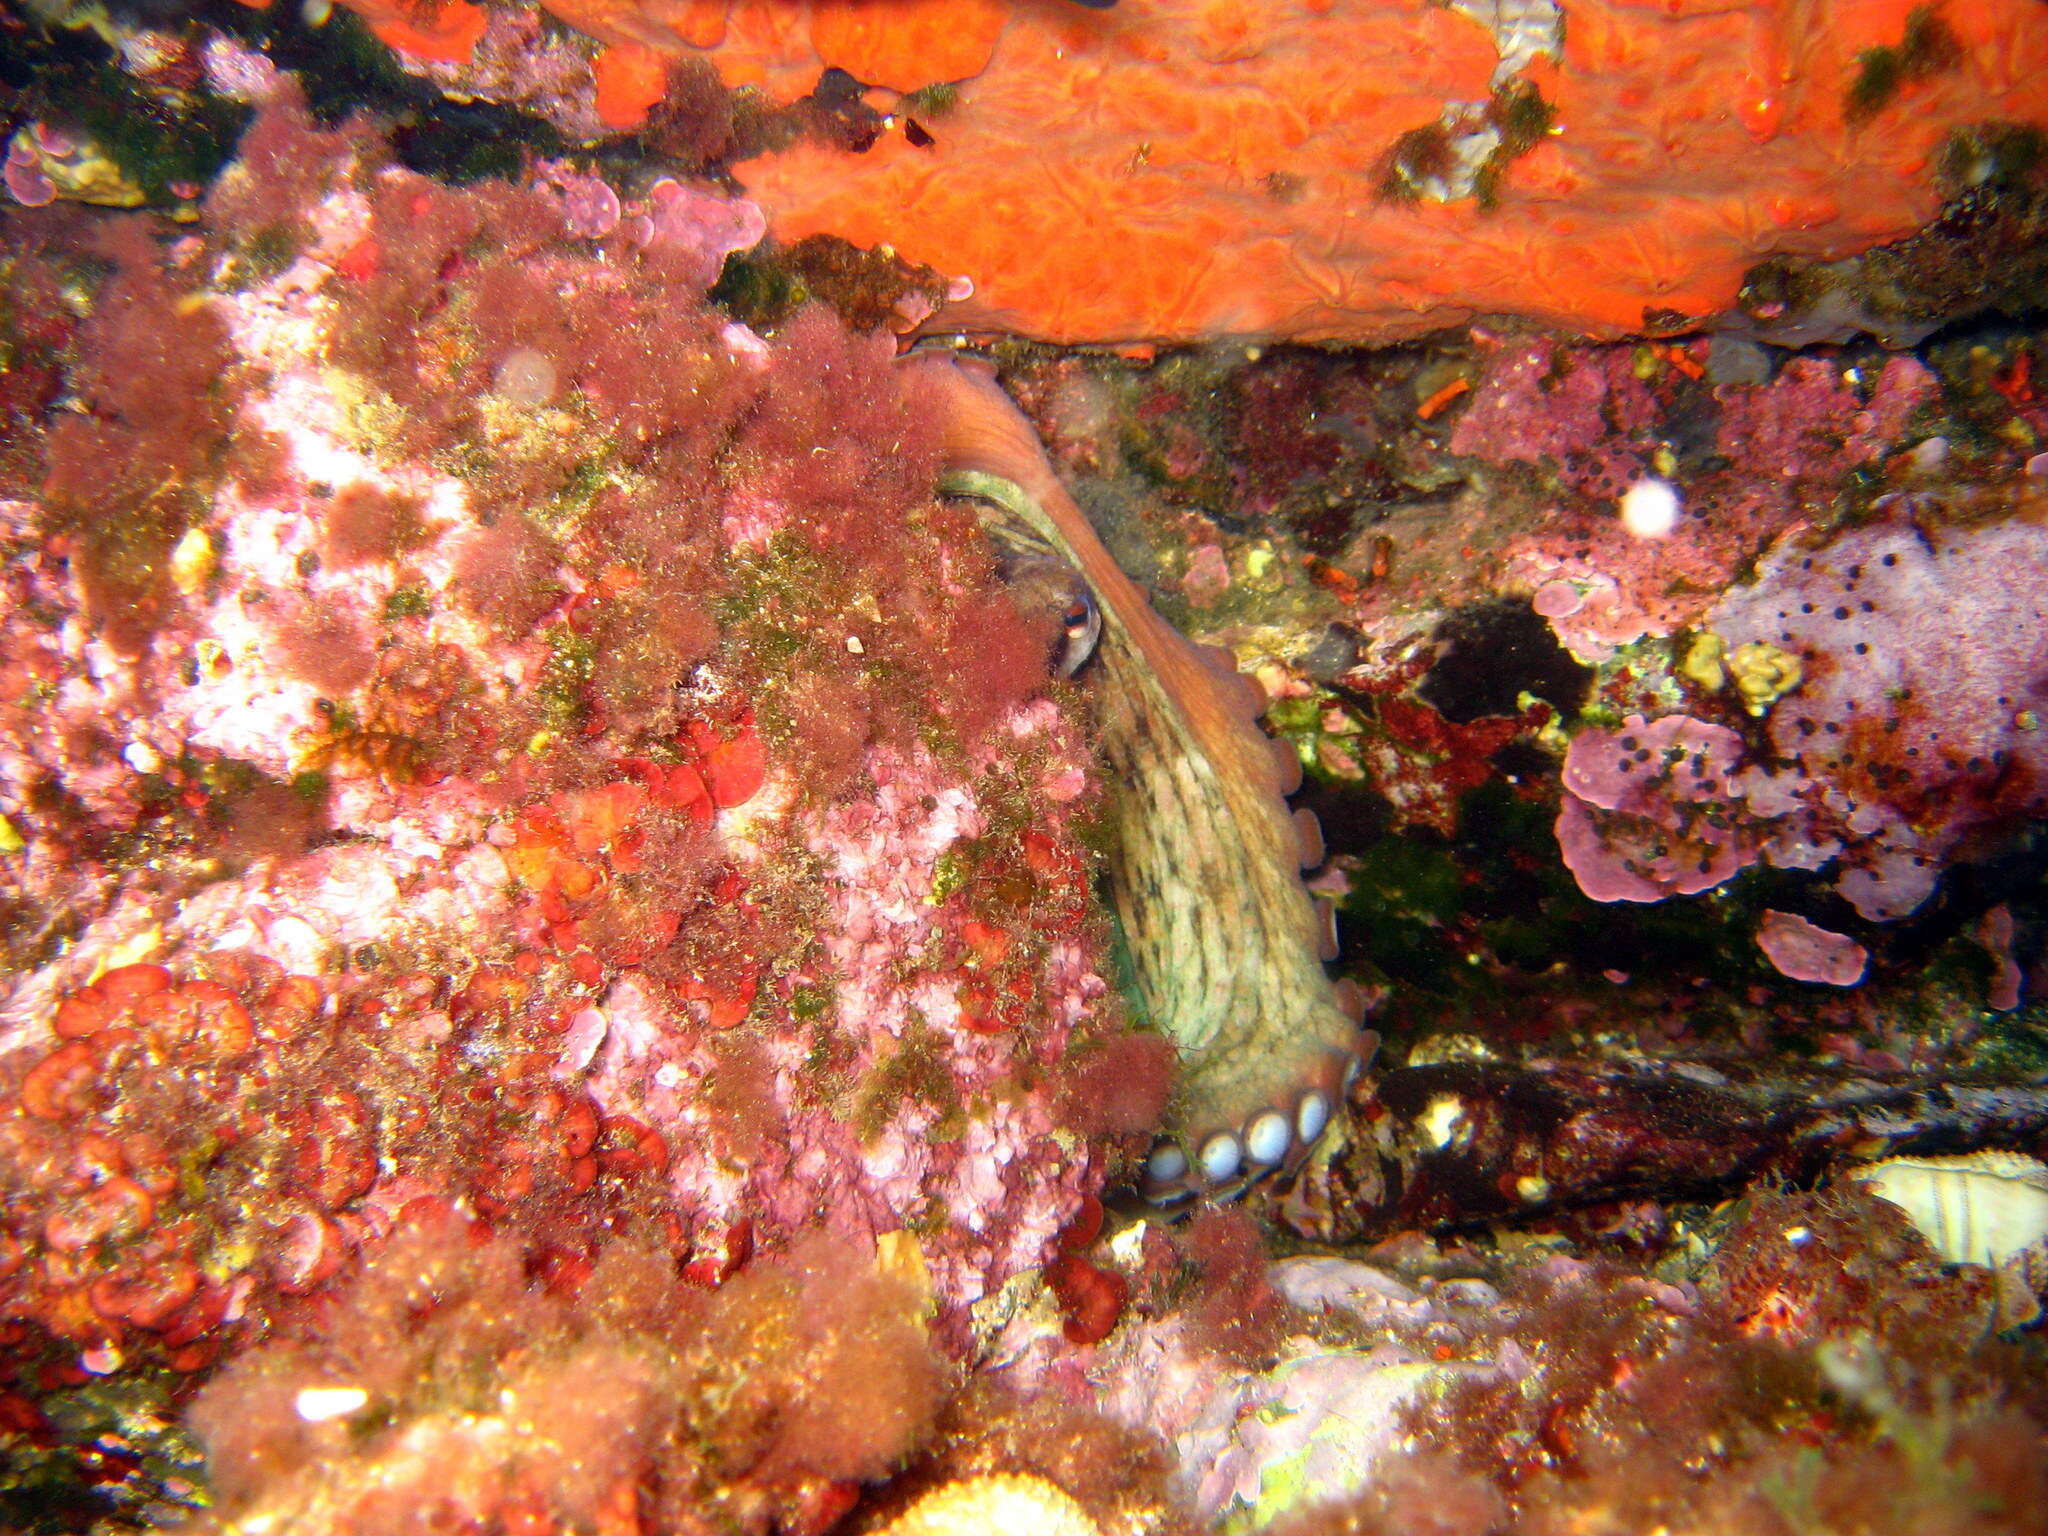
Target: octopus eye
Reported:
point(1081, 628)
point(1049, 586)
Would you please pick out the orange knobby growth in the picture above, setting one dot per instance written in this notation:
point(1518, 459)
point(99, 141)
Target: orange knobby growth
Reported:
point(631, 80)
point(733, 769)
point(909, 43)
point(436, 32)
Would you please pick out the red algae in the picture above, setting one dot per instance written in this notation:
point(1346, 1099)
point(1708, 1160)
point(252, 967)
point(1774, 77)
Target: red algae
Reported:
point(835, 493)
point(446, 1379)
point(533, 855)
point(327, 650)
point(369, 523)
point(1119, 1087)
point(1820, 1335)
point(505, 574)
point(1422, 1496)
point(1233, 1311)
point(129, 474)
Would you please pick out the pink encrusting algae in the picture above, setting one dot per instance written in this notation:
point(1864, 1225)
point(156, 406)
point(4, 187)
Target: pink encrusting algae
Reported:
point(1808, 952)
point(1893, 739)
point(1648, 811)
point(1920, 735)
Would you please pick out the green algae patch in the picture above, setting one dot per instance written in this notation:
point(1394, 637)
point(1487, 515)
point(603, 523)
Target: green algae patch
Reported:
point(918, 1071)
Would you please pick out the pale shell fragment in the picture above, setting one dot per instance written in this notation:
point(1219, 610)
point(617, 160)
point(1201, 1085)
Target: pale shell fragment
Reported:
point(980, 1506)
point(1984, 1208)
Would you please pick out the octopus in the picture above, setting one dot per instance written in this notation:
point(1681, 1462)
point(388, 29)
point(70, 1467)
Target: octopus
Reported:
point(1227, 946)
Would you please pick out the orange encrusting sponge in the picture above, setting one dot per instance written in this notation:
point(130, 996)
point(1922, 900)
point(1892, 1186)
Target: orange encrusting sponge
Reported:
point(437, 31)
point(1203, 168)
point(631, 78)
point(783, 44)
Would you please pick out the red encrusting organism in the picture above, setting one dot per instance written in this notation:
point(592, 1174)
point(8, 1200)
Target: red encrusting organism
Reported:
point(529, 828)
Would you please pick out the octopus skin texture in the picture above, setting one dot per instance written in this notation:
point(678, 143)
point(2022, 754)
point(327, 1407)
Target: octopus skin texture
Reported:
point(1227, 946)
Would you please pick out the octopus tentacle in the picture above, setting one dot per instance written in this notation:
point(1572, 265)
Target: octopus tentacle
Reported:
point(1226, 944)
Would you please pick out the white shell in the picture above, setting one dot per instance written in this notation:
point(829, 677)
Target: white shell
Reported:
point(1985, 1208)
